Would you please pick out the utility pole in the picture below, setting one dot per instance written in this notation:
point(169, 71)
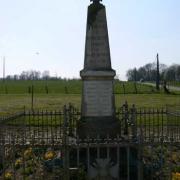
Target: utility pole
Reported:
point(157, 74)
point(4, 68)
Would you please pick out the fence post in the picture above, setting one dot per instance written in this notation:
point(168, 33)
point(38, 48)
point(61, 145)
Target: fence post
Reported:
point(140, 163)
point(71, 109)
point(135, 87)
point(133, 122)
point(140, 149)
point(65, 145)
point(2, 146)
point(128, 162)
point(32, 97)
point(124, 89)
point(126, 117)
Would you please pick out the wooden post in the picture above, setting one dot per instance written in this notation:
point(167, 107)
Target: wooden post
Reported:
point(124, 89)
point(32, 97)
point(157, 74)
point(135, 87)
point(4, 69)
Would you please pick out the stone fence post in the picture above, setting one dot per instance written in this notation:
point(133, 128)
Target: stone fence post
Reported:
point(133, 122)
point(126, 118)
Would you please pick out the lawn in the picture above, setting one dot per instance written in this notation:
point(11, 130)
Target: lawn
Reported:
point(10, 103)
point(66, 87)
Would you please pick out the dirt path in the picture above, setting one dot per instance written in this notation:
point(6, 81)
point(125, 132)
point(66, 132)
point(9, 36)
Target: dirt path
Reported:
point(173, 88)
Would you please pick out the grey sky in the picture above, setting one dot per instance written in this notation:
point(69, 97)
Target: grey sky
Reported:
point(138, 29)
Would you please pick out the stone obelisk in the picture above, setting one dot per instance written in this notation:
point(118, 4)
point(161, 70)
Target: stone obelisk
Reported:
point(98, 104)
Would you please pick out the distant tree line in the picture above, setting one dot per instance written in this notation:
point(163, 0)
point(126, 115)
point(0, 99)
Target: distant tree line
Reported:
point(148, 72)
point(33, 75)
point(29, 75)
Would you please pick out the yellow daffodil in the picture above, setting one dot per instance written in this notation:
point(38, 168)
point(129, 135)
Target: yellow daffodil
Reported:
point(28, 153)
point(18, 163)
point(8, 176)
point(49, 155)
point(176, 176)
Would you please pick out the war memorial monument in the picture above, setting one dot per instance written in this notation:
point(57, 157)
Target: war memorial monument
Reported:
point(99, 142)
point(98, 118)
point(98, 101)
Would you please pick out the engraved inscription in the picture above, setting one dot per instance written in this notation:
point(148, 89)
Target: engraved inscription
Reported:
point(97, 96)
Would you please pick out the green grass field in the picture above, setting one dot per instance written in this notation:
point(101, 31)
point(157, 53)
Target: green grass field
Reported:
point(174, 83)
point(66, 87)
point(14, 95)
point(10, 103)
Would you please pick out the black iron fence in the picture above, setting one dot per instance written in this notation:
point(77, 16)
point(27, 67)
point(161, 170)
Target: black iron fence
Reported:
point(45, 145)
point(145, 125)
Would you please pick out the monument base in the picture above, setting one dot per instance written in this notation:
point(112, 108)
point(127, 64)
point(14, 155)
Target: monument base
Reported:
point(93, 127)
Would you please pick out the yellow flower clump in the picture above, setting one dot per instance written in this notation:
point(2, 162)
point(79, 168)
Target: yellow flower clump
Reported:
point(8, 176)
point(18, 162)
point(176, 176)
point(174, 157)
point(49, 155)
point(28, 153)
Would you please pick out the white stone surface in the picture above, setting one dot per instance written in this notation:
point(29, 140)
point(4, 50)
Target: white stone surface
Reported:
point(110, 73)
point(98, 98)
point(97, 75)
point(103, 169)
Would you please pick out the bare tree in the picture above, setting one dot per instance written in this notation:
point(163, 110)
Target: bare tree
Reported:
point(45, 75)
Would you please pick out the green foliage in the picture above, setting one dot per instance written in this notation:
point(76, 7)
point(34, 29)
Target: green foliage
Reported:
point(176, 169)
point(28, 171)
point(81, 174)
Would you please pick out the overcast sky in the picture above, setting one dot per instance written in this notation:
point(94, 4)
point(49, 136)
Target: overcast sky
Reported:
point(138, 29)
